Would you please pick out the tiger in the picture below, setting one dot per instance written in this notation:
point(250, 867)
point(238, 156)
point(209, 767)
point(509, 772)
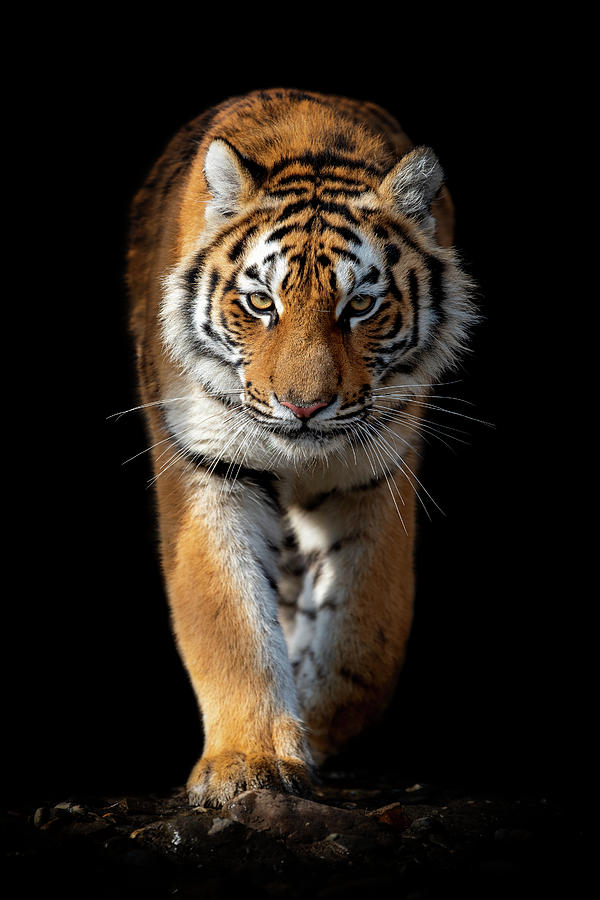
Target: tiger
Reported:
point(295, 296)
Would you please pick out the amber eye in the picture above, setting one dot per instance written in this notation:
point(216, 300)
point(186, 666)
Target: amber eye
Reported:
point(361, 304)
point(260, 302)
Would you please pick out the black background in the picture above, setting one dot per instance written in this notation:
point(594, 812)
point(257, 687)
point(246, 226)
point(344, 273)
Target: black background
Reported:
point(98, 699)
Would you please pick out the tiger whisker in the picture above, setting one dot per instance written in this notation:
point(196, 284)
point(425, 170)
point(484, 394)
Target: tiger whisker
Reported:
point(249, 446)
point(227, 412)
point(179, 454)
point(360, 425)
point(403, 413)
point(435, 429)
point(451, 412)
point(355, 428)
point(147, 450)
point(413, 396)
point(182, 435)
point(236, 433)
point(395, 457)
point(232, 464)
point(403, 387)
point(123, 412)
point(423, 429)
point(404, 465)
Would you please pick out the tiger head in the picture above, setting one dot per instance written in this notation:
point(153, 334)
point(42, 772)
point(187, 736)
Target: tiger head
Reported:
point(315, 282)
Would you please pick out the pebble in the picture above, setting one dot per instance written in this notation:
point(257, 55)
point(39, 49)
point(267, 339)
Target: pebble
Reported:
point(424, 824)
point(512, 835)
point(219, 825)
point(76, 809)
point(393, 815)
point(41, 816)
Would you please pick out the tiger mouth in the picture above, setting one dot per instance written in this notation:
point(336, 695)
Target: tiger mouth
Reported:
point(310, 429)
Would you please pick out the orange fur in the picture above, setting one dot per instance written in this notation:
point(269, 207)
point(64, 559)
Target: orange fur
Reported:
point(354, 526)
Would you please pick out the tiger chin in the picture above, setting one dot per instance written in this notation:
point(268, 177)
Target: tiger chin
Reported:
point(294, 298)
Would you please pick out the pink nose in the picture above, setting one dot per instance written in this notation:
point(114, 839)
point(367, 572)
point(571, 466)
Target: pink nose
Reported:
point(303, 412)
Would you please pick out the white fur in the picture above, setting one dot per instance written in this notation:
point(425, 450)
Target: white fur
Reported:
point(224, 178)
point(329, 595)
point(259, 250)
point(350, 279)
point(415, 181)
point(245, 528)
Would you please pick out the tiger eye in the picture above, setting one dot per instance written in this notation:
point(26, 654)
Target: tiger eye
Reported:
point(361, 303)
point(260, 302)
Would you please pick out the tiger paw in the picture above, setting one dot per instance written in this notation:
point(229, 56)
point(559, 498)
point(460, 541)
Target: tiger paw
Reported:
point(217, 779)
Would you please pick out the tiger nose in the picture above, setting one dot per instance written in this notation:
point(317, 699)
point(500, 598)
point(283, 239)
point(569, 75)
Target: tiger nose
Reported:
point(304, 412)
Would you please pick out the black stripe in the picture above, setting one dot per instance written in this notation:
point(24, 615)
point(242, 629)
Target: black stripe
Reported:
point(262, 478)
point(198, 346)
point(301, 260)
point(346, 233)
point(355, 678)
point(291, 191)
point(399, 230)
point(236, 251)
point(309, 613)
point(257, 216)
point(213, 282)
point(268, 578)
point(269, 258)
point(282, 231)
point(338, 209)
point(192, 274)
point(285, 602)
point(394, 328)
point(372, 276)
point(398, 319)
point(392, 254)
point(436, 291)
point(328, 603)
point(398, 345)
point(298, 176)
point(325, 161)
point(223, 340)
point(344, 192)
point(349, 539)
point(347, 254)
point(351, 182)
point(320, 499)
point(404, 368)
point(341, 418)
point(265, 480)
point(298, 206)
point(413, 285)
point(246, 312)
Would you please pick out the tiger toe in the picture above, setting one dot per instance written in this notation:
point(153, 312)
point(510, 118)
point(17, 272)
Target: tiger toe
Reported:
point(216, 780)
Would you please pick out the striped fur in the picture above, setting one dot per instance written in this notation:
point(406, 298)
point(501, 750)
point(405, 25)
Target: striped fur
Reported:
point(290, 252)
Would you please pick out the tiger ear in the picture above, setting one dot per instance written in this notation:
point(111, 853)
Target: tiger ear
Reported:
point(230, 178)
point(413, 183)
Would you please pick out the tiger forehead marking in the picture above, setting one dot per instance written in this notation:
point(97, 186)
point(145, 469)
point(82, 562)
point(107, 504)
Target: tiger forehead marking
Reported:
point(306, 269)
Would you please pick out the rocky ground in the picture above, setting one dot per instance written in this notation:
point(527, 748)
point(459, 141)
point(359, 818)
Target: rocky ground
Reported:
point(356, 835)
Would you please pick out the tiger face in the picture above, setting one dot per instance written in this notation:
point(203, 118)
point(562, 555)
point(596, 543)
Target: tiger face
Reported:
point(313, 283)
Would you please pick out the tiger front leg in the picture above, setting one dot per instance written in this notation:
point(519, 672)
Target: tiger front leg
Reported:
point(223, 605)
point(355, 610)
